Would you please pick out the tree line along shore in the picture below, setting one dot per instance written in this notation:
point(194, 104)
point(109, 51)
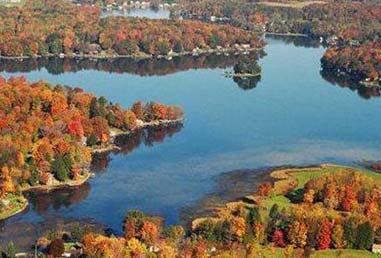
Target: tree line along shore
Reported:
point(49, 132)
point(318, 211)
point(350, 29)
point(60, 28)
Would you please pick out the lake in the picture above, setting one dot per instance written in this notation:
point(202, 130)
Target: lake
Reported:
point(161, 13)
point(291, 116)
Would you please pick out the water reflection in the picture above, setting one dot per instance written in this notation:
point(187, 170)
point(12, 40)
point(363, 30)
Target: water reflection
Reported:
point(24, 234)
point(247, 83)
point(128, 143)
point(145, 67)
point(362, 91)
point(297, 41)
point(62, 198)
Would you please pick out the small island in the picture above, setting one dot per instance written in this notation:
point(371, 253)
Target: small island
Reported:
point(48, 134)
point(245, 68)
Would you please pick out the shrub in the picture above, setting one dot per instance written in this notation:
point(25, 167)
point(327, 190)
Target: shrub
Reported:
point(9, 251)
point(56, 248)
point(91, 140)
point(61, 167)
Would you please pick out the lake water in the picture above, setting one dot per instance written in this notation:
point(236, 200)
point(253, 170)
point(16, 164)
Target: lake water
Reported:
point(291, 116)
point(141, 13)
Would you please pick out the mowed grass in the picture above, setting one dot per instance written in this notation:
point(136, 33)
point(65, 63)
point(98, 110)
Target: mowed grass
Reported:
point(9, 3)
point(18, 203)
point(291, 4)
point(331, 253)
point(302, 176)
point(345, 253)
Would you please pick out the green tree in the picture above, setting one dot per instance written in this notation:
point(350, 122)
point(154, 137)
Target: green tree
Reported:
point(55, 43)
point(350, 231)
point(61, 167)
point(364, 236)
point(91, 140)
point(162, 47)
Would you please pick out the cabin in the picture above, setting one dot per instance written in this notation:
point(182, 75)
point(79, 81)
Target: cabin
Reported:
point(376, 248)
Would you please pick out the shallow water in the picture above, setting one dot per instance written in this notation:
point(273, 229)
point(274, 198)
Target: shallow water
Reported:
point(291, 116)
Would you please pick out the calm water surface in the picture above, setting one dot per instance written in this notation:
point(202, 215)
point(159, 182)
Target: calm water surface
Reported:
point(292, 116)
point(142, 13)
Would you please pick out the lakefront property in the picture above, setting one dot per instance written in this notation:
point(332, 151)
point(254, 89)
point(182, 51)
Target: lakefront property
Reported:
point(183, 129)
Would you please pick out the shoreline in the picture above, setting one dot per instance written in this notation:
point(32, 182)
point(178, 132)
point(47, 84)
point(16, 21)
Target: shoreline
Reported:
point(111, 146)
point(25, 204)
point(278, 175)
point(68, 183)
point(338, 73)
point(290, 34)
point(141, 56)
point(241, 75)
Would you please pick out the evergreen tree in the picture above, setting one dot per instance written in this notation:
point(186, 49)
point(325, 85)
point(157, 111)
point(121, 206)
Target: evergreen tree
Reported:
point(91, 140)
point(364, 236)
point(274, 212)
point(350, 231)
point(61, 167)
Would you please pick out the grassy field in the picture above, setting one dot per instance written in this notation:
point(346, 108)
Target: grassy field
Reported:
point(347, 253)
point(16, 205)
point(292, 181)
point(301, 176)
point(291, 4)
point(9, 3)
point(339, 253)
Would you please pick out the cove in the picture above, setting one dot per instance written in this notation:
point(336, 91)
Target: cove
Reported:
point(291, 116)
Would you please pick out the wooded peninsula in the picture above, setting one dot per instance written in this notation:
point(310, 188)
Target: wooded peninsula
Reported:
point(48, 134)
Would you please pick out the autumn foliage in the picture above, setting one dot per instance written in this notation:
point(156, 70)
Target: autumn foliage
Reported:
point(64, 28)
point(360, 20)
point(47, 132)
point(359, 63)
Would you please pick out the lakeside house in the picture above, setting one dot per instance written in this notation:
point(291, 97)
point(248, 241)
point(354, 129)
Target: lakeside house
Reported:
point(376, 248)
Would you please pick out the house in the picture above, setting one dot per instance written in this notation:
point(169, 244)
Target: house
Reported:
point(376, 248)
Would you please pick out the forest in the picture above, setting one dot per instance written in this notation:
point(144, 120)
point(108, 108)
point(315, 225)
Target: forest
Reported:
point(360, 63)
point(303, 212)
point(350, 28)
point(48, 133)
point(61, 28)
point(346, 19)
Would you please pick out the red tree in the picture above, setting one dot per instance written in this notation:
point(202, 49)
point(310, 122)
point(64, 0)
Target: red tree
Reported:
point(324, 235)
point(278, 238)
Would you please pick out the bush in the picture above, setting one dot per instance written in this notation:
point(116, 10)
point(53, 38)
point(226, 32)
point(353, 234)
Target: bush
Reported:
point(61, 167)
point(77, 231)
point(91, 140)
point(56, 248)
point(9, 251)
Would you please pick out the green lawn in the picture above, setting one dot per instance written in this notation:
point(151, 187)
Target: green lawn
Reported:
point(342, 253)
point(17, 203)
point(303, 175)
point(9, 3)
